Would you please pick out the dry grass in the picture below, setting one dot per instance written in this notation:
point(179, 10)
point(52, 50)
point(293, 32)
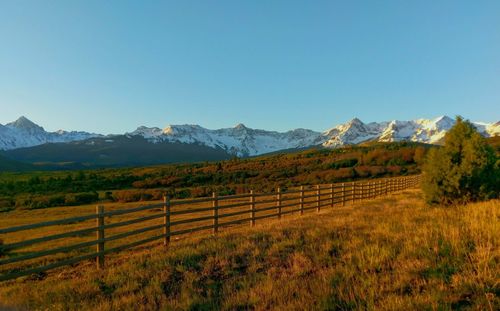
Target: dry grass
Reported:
point(22, 217)
point(391, 253)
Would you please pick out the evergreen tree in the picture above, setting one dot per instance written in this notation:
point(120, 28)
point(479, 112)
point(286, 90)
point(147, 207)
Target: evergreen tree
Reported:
point(465, 169)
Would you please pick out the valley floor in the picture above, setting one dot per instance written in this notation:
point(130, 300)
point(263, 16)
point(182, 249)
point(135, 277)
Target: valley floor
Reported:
point(391, 253)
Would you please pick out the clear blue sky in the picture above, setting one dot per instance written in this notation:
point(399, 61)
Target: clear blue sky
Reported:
point(110, 66)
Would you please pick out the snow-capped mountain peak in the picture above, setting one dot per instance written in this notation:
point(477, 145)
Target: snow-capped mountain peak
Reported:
point(147, 132)
point(25, 124)
point(352, 132)
point(25, 133)
point(240, 126)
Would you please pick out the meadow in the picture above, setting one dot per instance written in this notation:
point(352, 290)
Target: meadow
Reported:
point(390, 253)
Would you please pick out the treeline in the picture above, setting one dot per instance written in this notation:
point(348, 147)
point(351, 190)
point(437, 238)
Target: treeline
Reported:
point(44, 201)
point(264, 173)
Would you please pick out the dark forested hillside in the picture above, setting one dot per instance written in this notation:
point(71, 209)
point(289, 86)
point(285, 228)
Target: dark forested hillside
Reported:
point(117, 151)
point(9, 165)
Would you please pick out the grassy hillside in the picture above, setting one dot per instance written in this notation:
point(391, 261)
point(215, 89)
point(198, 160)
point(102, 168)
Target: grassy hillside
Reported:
point(265, 173)
point(392, 253)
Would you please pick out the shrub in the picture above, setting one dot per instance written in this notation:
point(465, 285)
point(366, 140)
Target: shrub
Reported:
point(81, 198)
point(6, 202)
point(343, 163)
point(36, 202)
point(463, 170)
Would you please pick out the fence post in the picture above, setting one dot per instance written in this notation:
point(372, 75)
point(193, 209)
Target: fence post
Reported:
point(331, 195)
point(318, 197)
point(252, 208)
point(166, 220)
point(343, 194)
point(353, 191)
point(100, 236)
point(215, 205)
point(301, 201)
point(278, 202)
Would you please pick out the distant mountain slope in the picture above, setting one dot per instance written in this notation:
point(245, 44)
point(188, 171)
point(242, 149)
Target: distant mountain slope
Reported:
point(115, 151)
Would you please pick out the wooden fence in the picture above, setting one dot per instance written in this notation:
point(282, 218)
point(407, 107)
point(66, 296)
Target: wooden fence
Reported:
point(172, 219)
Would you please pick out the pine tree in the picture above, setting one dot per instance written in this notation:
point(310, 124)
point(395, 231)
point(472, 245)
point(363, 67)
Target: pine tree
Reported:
point(465, 169)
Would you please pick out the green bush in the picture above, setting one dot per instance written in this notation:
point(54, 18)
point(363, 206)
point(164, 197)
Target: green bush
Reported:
point(343, 163)
point(81, 198)
point(465, 169)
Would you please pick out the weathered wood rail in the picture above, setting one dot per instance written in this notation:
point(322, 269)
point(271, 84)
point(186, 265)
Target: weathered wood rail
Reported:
point(173, 218)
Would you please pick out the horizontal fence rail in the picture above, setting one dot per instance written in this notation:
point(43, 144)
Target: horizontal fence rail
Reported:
point(173, 218)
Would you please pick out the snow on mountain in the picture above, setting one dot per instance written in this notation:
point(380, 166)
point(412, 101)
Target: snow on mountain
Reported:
point(493, 129)
point(239, 140)
point(352, 132)
point(422, 130)
point(24, 133)
point(243, 141)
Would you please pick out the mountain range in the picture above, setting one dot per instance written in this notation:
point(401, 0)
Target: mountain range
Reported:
point(26, 141)
point(243, 141)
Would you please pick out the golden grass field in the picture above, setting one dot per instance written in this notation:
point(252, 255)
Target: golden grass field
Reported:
point(390, 253)
point(24, 217)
